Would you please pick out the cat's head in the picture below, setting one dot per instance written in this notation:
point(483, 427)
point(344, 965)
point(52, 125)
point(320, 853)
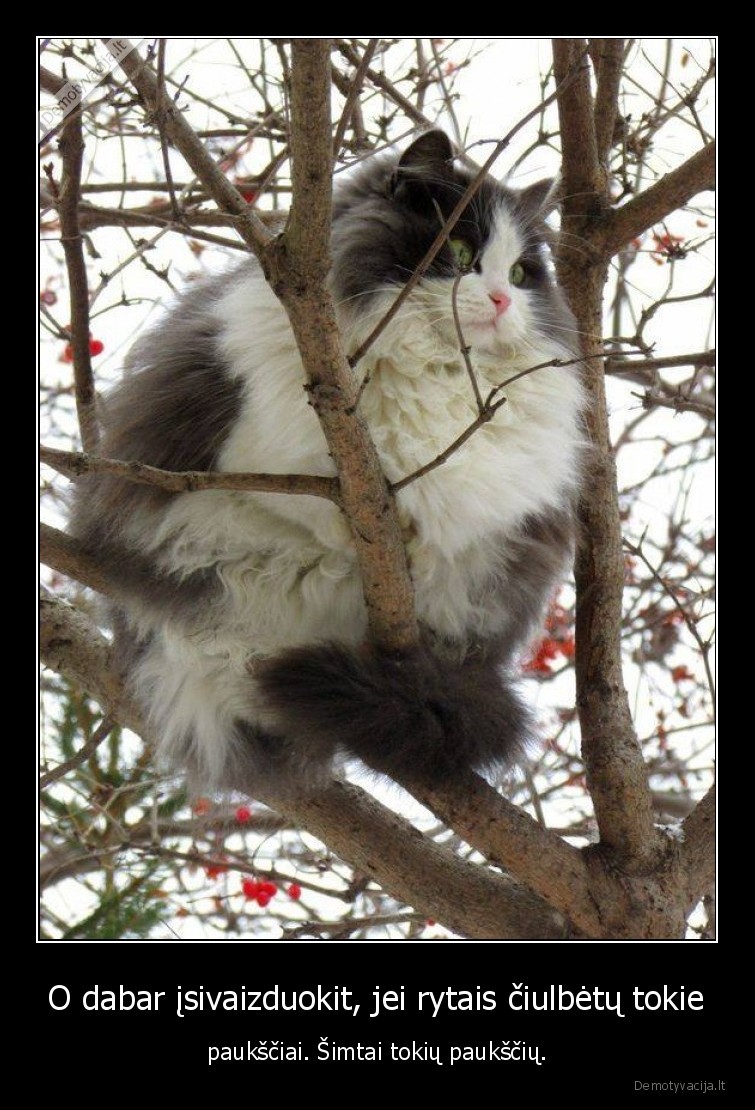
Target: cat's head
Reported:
point(387, 216)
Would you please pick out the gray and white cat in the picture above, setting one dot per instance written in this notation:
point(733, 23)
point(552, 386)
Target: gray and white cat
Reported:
point(241, 614)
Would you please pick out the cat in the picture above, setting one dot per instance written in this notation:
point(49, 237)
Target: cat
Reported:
point(239, 615)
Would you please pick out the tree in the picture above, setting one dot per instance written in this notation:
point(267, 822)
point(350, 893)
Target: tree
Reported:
point(483, 866)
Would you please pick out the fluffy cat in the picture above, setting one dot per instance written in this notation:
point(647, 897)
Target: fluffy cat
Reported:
point(240, 614)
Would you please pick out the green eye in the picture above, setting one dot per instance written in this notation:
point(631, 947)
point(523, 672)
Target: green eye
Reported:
point(463, 253)
point(517, 274)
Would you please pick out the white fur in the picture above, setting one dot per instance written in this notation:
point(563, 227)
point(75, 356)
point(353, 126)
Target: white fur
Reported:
point(286, 562)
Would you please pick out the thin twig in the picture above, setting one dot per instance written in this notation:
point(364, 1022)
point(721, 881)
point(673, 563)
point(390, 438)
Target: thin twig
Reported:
point(103, 730)
point(160, 121)
point(463, 345)
point(651, 398)
point(636, 549)
point(352, 98)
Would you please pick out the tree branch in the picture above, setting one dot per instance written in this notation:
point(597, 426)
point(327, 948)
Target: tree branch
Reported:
point(63, 553)
point(608, 58)
point(616, 773)
point(73, 464)
point(583, 176)
point(72, 645)
point(299, 263)
point(673, 191)
point(698, 850)
point(507, 835)
point(72, 154)
point(641, 367)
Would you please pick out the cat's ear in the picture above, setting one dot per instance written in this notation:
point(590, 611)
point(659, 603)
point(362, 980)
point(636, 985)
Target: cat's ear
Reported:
point(430, 153)
point(428, 159)
point(538, 200)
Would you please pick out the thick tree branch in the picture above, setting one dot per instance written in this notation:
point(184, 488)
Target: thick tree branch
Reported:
point(507, 835)
point(475, 902)
point(673, 191)
point(50, 81)
point(72, 645)
point(699, 847)
point(616, 772)
point(63, 553)
point(466, 897)
point(298, 266)
point(608, 58)
point(584, 178)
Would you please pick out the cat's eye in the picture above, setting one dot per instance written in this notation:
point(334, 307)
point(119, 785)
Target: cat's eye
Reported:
point(517, 274)
point(463, 252)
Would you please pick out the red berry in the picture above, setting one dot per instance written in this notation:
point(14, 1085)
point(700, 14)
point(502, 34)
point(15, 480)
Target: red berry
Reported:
point(202, 806)
point(214, 869)
point(250, 888)
point(263, 899)
point(48, 297)
point(243, 814)
point(96, 346)
point(67, 355)
point(268, 888)
point(430, 922)
point(294, 891)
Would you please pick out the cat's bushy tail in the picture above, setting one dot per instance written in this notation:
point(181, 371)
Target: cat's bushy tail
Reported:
point(411, 713)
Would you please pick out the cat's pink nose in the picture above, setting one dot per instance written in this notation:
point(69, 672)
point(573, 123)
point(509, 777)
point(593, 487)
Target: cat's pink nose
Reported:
point(501, 301)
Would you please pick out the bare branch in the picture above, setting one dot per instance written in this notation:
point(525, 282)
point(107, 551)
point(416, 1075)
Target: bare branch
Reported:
point(607, 56)
point(299, 262)
point(678, 401)
point(63, 553)
point(616, 773)
point(704, 648)
point(507, 835)
point(673, 191)
point(72, 152)
point(74, 464)
point(643, 366)
point(72, 645)
point(352, 97)
point(87, 750)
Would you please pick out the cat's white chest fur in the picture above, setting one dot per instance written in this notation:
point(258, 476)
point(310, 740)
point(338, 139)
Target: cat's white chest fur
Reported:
point(288, 561)
point(418, 401)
